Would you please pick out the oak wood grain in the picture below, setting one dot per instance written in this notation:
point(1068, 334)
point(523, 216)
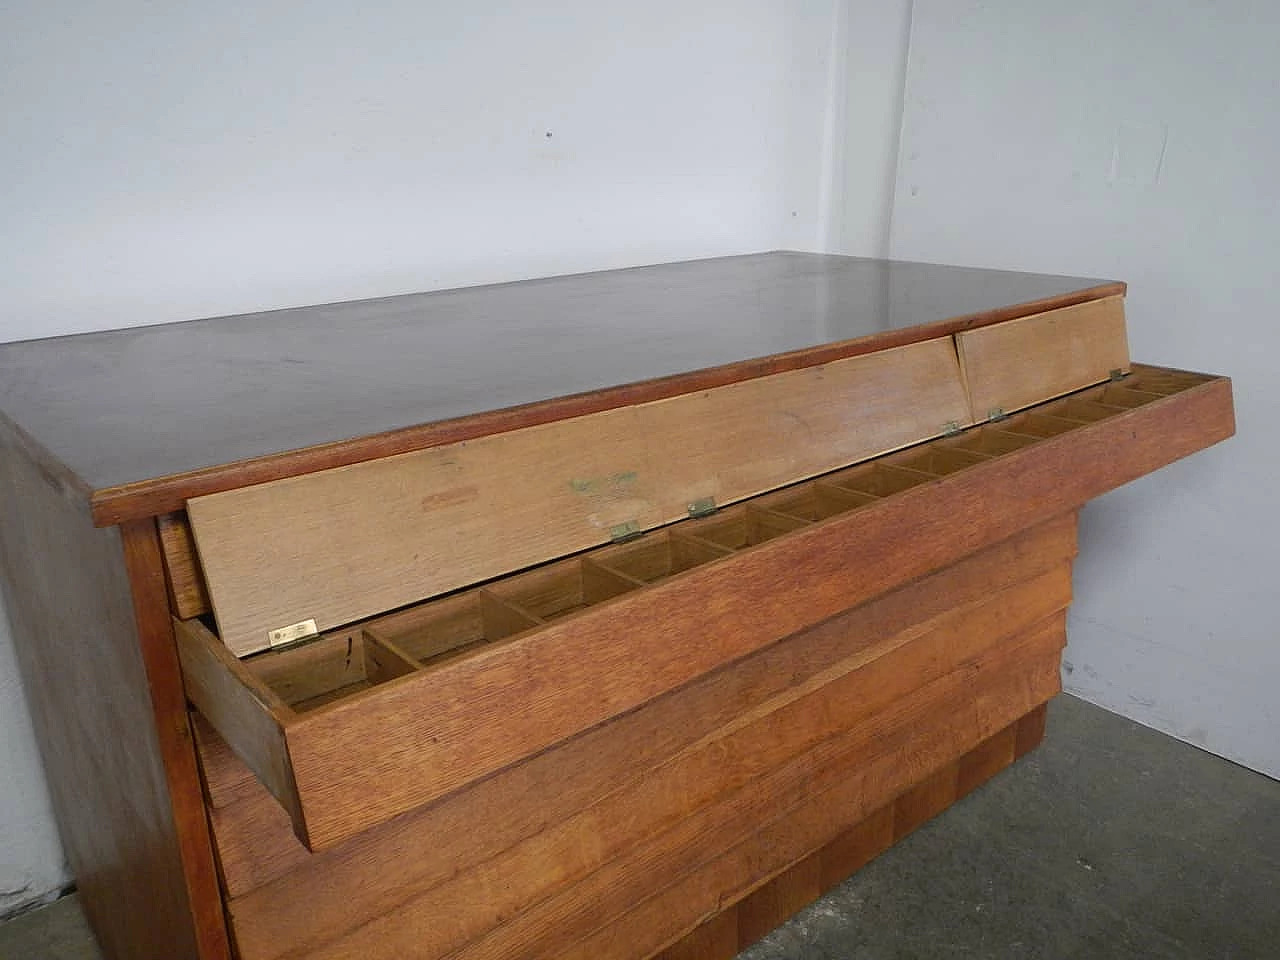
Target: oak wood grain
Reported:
point(841, 858)
point(492, 708)
point(256, 843)
point(348, 543)
point(925, 800)
point(857, 846)
point(1013, 365)
point(97, 668)
point(144, 566)
point(982, 763)
point(309, 898)
point(188, 596)
point(713, 939)
point(248, 715)
point(612, 915)
point(788, 892)
point(1030, 732)
point(767, 752)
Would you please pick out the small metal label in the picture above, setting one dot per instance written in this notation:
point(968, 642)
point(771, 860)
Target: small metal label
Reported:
point(293, 633)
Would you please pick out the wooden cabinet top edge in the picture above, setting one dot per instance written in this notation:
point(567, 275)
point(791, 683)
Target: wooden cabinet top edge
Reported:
point(142, 419)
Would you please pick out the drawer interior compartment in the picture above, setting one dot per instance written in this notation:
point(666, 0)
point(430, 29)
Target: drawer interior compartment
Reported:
point(664, 554)
point(433, 697)
point(333, 667)
point(451, 626)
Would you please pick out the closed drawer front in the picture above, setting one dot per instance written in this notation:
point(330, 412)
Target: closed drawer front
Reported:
point(373, 720)
point(612, 844)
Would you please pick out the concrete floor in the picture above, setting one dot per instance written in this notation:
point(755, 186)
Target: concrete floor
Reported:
point(1109, 841)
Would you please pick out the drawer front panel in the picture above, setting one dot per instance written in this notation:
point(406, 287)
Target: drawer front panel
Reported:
point(1012, 365)
point(547, 655)
point(257, 845)
point(348, 543)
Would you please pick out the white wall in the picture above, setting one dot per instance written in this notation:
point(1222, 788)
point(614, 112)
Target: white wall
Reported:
point(192, 159)
point(1138, 141)
point(874, 36)
point(32, 869)
point(184, 159)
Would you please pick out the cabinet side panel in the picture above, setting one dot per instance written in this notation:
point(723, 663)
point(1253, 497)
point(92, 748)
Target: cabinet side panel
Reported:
point(86, 682)
point(145, 567)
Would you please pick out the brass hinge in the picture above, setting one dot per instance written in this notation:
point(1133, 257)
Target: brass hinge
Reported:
point(625, 531)
point(293, 633)
point(1117, 375)
point(951, 428)
point(996, 414)
point(703, 507)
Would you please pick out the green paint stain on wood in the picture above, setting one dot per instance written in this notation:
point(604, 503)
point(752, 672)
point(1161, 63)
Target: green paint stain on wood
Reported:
point(591, 486)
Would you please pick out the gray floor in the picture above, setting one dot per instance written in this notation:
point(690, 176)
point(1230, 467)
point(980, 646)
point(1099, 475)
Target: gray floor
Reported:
point(1109, 841)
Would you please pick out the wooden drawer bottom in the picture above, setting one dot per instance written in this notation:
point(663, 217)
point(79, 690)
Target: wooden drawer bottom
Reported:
point(621, 841)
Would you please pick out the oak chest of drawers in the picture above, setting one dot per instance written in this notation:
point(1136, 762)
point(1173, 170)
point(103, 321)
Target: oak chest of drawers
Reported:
point(614, 615)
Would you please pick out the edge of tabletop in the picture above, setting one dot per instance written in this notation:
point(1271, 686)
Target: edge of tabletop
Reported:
point(157, 495)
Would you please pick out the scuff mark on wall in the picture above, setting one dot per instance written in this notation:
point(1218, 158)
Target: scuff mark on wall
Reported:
point(1138, 154)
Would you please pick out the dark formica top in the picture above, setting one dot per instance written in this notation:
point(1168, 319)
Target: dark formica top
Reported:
point(138, 420)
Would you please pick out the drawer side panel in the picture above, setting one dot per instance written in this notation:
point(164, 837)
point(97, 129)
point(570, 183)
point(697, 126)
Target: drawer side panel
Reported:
point(249, 716)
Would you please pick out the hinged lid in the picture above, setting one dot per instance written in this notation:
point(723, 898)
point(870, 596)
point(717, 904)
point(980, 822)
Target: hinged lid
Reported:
point(1009, 366)
point(347, 543)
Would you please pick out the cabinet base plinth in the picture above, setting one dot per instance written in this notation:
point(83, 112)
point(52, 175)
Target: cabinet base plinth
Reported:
point(741, 924)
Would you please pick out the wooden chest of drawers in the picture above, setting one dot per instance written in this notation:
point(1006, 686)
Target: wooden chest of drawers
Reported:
point(604, 616)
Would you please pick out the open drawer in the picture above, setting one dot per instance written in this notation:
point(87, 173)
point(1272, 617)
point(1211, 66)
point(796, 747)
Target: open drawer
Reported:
point(373, 719)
